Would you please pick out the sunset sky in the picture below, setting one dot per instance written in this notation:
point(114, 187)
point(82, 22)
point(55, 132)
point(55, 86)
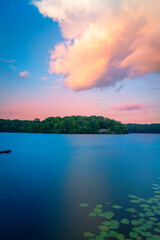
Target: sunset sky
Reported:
point(87, 57)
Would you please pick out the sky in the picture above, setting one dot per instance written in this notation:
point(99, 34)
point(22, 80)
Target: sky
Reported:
point(88, 57)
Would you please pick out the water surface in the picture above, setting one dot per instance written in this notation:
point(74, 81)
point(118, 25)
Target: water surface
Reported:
point(47, 176)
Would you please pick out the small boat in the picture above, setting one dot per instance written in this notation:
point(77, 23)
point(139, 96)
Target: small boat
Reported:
point(6, 151)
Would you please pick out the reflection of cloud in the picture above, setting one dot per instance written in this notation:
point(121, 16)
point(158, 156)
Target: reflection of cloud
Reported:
point(24, 74)
point(131, 107)
point(107, 41)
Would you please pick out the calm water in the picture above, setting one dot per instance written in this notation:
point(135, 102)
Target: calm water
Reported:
point(46, 177)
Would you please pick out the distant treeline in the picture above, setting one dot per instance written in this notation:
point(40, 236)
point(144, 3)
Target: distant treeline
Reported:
point(143, 128)
point(73, 124)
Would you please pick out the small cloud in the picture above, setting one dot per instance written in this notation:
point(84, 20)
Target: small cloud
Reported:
point(45, 78)
point(12, 67)
point(24, 74)
point(119, 88)
point(58, 80)
point(132, 107)
point(55, 87)
point(7, 60)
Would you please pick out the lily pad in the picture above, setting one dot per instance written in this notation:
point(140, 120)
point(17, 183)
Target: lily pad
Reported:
point(92, 214)
point(89, 235)
point(133, 210)
point(99, 206)
point(124, 221)
point(135, 201)
point(132, 196)
point(116, 206)
point(133, 234)
point(83, 205)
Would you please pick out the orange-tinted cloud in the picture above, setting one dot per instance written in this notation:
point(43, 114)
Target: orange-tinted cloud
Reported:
point(107, 41)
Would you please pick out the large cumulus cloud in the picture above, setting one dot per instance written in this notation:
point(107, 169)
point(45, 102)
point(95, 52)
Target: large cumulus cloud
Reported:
point(104, 41)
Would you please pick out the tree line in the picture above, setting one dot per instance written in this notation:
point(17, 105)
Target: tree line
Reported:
point(71, 125)
point(143, 128)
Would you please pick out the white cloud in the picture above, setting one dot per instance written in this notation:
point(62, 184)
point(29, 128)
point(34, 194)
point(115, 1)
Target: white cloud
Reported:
point(106, 40)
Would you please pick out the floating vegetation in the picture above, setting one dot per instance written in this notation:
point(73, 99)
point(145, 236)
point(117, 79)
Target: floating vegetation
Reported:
point(132, 210)
point(124, 221)
point(116, 206)
point(89, 235)
point(143, 225)
point(83, 205)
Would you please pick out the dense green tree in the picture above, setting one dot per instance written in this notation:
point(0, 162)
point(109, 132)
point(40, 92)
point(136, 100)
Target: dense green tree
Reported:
point(73, 125)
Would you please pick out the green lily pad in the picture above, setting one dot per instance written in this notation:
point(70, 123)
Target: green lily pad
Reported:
point(124, 221)
point(92, 214)
point(99, 238)
point(146, 234)
point(142, 215)
point(108, 215)
point(134, 222)
point(133, 210)
point(104, 234)
point(132, 196)
point(144, 205)
point(150, 214)
point(133, 234)
point(135, 201)
point(116, 206)
point(89, 235)
point(106, 223)
point(99, 206)
point(153, 219)
point(113, 233)
point(120, 236)
point(83, 205)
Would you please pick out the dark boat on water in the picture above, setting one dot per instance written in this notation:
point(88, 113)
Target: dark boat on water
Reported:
point(5, 151)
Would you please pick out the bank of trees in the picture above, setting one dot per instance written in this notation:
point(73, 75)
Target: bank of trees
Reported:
point(73, 124)
point(143, 128)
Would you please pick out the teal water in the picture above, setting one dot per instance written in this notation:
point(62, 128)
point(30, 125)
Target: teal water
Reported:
point(47, 176)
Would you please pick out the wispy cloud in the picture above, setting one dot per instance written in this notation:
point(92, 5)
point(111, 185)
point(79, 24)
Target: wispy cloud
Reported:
point(59, 80)
point(119, 88)
point(105, 41)
point(7, 60)
point(24, 74)
point(132, 107)
point(46, 78)
point(55, 87)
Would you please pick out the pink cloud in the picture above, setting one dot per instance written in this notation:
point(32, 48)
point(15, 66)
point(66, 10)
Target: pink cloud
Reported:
point(45, 78)
point(24, 74)
point(107, 41)
point(55, 87)
point(132, 107)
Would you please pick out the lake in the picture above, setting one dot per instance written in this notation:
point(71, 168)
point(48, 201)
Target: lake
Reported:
point(46, 177)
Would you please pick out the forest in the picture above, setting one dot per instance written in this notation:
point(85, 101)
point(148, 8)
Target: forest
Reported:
point(71, 125)
point(76, 124)
point(143, 128)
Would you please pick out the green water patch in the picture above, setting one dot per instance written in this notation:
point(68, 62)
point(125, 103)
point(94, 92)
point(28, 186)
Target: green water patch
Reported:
point(141, 220)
